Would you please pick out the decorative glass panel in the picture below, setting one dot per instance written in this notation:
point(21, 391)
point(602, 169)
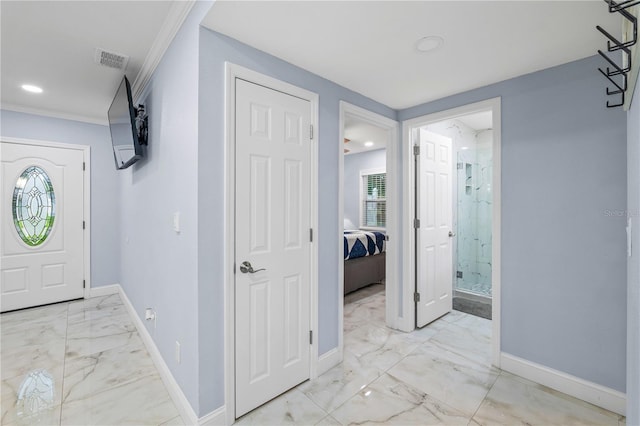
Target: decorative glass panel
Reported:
point(33, 206)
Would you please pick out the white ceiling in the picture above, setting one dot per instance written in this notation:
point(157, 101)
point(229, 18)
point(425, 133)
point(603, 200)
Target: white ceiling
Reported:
point(369, 46)
point(358, 132)
point(51, 44)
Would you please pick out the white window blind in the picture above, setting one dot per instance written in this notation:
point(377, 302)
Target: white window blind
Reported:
point(374, 200)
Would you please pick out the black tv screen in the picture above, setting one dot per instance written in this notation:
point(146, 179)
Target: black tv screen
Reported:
point(122, 124)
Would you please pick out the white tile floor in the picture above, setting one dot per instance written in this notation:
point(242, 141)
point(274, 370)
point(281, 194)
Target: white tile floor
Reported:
point(101, 374)
point(441, 374)
point(79, 363)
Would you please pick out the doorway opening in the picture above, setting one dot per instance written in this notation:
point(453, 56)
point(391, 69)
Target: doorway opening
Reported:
point(472, 141)
point(367, 262)
point(452, 164)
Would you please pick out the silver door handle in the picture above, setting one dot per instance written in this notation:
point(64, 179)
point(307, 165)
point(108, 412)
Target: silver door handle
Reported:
point(452, 234)
point(246, 267)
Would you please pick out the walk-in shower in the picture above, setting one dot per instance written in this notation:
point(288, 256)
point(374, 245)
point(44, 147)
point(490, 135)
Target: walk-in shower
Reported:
point(472, 138)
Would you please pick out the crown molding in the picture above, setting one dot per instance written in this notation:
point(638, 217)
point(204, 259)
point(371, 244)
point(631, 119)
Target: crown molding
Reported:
point(54, 114)
point(170, 27)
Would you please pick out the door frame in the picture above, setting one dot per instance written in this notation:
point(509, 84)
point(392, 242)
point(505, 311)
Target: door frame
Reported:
point(408, 187)
point(86, 195)
point(392, 266)
point(233, 71)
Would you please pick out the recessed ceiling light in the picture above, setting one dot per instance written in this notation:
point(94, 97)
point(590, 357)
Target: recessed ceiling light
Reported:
point(429, 43)
point(31, 88)
point(368, 143)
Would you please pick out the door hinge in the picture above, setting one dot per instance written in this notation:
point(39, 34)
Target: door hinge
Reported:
point(310, 131)
point(416, 150)
point(311, 235)
point(416, 223)
point(416, 297)
point(83, 166)
point(234, 269)
point(84, 284)
point(311, 337)
point(83, 224)
point(386, 237)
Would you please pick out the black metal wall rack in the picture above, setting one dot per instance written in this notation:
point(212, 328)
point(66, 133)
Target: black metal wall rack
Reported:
point(618, 74)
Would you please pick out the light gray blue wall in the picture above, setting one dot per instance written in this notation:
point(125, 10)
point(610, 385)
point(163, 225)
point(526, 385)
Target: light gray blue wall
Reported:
point(215, 49)
point(105, 193)
point(159, 266)
point(564, 289)
point(633, 268)
point(353, 165)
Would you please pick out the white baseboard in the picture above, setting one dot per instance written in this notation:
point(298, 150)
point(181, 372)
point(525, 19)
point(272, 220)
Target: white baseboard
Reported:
point(214, 418)
point(329, 360)
point(593, 393)
point(189, 416)
point(104, 290)
point(182, 404)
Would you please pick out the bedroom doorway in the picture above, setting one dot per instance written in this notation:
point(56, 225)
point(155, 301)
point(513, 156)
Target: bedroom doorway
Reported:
point(367, 262)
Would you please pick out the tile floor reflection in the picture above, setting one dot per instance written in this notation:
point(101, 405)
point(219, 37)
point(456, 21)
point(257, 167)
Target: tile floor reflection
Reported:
point(83, 363)
point(438, 375)
point(79, 363)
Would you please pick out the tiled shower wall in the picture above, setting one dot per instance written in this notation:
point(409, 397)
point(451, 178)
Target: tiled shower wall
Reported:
point(472, 198)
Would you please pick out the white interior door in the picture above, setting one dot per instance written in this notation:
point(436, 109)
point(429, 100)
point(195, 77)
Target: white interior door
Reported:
point(272, 220)
point(434, 254)
point(42, 244)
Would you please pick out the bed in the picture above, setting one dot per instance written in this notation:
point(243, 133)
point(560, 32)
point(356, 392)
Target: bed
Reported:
point(364, 259)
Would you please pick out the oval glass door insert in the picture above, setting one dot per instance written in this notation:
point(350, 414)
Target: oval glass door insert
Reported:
point(33, 206)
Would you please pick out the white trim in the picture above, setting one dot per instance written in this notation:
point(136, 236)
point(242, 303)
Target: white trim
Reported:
point(185, 409)
point(178, 12)
point(55, 114)
point(329, 359)
point(180, 400)
point(393, 284)
point(86, 196)
point(409, 128)
point(496, 233)
point(599, 395)
point(103, 290)
point(216, 417)
point(232, 72)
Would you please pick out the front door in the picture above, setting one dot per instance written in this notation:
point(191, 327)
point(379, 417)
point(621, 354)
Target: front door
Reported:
point(42, 251)
point(272, 252)
point(434, 254)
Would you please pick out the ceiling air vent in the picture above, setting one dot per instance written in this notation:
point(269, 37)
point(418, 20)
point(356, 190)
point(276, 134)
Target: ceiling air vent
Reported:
point(111, 59)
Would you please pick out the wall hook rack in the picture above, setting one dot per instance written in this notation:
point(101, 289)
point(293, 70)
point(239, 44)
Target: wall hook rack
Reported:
point(621, 89)
point(617, 45)
point(617, 7)
point(614, 45)
point(618, 70)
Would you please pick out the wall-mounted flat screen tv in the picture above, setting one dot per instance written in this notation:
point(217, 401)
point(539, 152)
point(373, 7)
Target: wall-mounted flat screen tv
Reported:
point(122, 123)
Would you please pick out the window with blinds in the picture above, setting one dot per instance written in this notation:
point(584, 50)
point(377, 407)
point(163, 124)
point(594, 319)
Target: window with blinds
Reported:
point(374, 200)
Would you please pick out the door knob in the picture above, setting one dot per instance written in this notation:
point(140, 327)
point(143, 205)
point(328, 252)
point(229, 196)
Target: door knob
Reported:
point(452, 234)
point(245, 267)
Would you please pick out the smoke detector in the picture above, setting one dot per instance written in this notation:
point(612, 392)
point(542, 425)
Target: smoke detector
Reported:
point(111, 59)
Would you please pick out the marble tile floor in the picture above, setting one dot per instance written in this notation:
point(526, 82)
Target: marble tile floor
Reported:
point(79, 363)
point(89, 367)
point(438, 375)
